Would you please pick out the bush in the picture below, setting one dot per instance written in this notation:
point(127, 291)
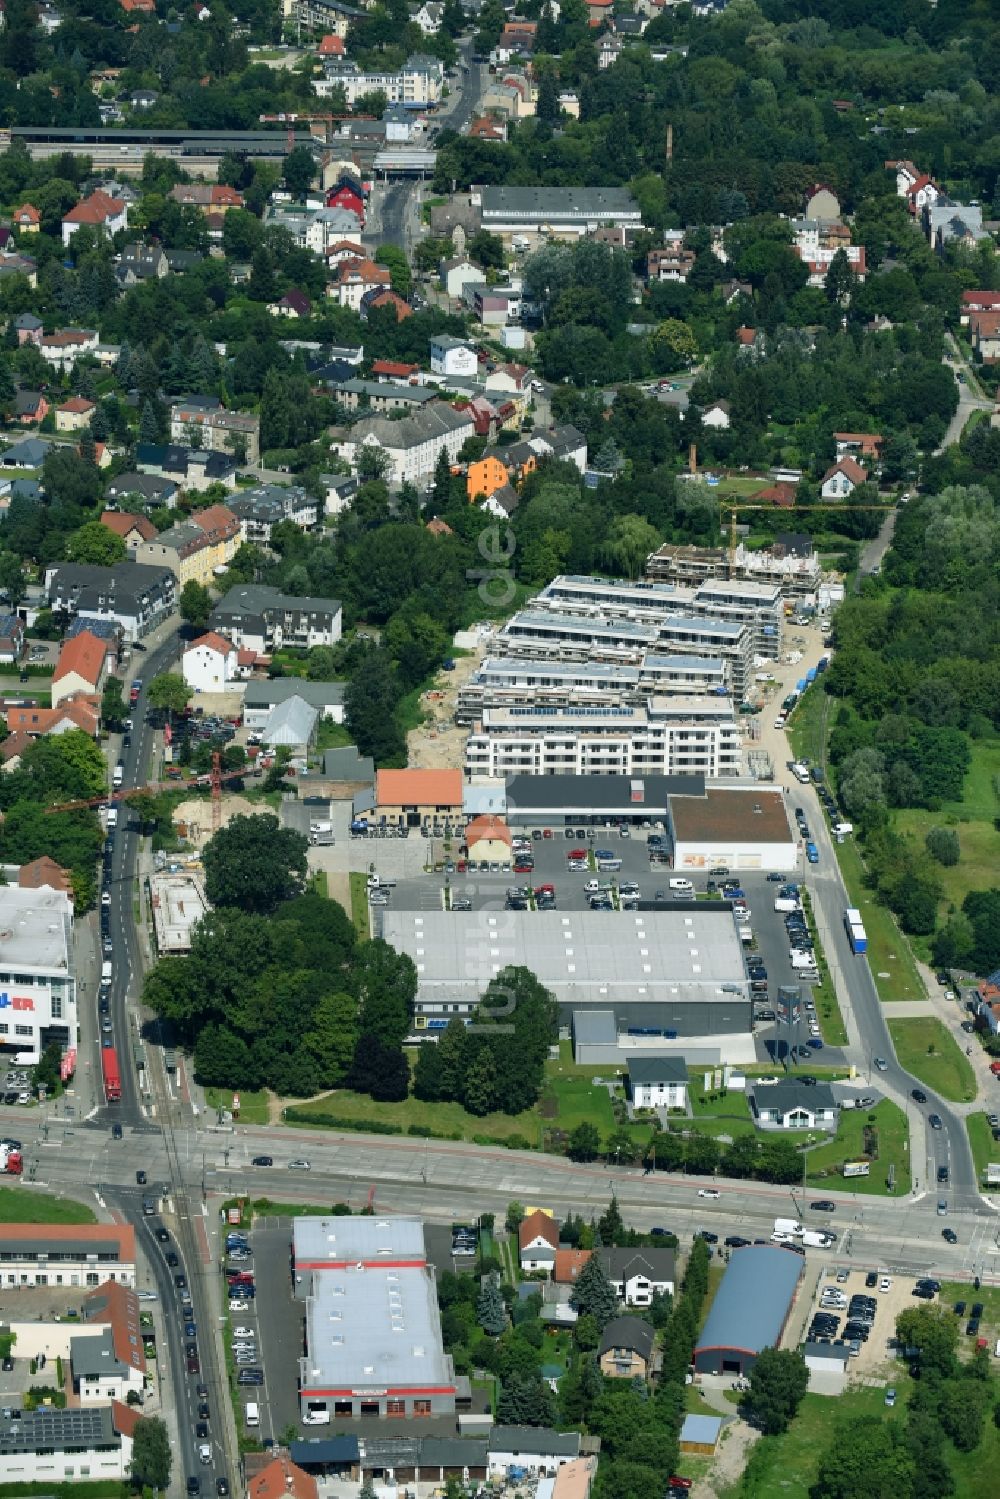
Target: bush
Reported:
point(335, 1121)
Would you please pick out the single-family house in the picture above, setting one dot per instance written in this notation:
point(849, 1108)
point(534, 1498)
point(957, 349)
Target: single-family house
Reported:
point(330, 46)
point(626, 1348)
point(716, 415)
point(428, 17)
point(74, 414)
point(27, 454)
point(210, 663)
point(790, 1105)
point(568, 1265)
point(657, 1082)
point(537, 1241)
point(294, 304)
point(26, 219)
point(457, 273)
point(859, 444)
point(384, 296)
point(842, 479)
point(145, 487)
point(207, 197)
point(64, 347)
point(30, 407)
point(531, 1449)
point(972, 301)
point(28, 328)
point(984, 334)
point(100, 212)
point(355, 279)
point(11, 638)
point(133, 529)
point(485, 476)
point(638, 1274)
point(82, 667)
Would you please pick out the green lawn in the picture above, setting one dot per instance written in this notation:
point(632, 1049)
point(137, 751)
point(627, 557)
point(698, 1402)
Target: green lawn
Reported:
point(20, 1206)
point(330, 735)
point(253, 1106)
point(928, 1050)
point(893, 1150)
point(893, 969)
point(985, 1150)
point(448, 1119)
point(718, 1113)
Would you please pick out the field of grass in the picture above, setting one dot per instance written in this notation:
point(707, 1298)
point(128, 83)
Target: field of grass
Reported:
point(359, 905)
point(893, 969)
point(848, 1145)
point(723, 1114)
point(330, 735)
point(253, 1106)
point(20, 1205)
point(984, 1148)
point(973, 820)
point(807, 726)
point(928, 1050)
point(787, 1465)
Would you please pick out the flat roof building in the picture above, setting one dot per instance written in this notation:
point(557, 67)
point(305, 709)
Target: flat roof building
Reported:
point(373, 1329)
point(62, 1254)
point(677, 971)
point(750, 1309)
point(37, 972)
point(744, 828)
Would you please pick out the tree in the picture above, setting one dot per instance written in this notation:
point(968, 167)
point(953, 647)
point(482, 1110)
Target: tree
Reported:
point(151, 1456)
point(778, 1381)
point(491, 1314)
point(379, 1070)
point(47, 1070)
point(867, 1459)
point(333, 1037)
point(113, 706)
point(299, 169)
point(481, 1084)
point(594, 1294)
point(253, 864)
point(96, 544)
point(170, 692)
point(386, 984)
point(584, 1142)
point(150, 423)
point(394, 259)
point(195, 604)
point(943, 845)
point(934, 1333)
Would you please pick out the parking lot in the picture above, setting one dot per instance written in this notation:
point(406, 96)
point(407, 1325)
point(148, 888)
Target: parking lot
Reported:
point(277, 1319)
point(877, 1357)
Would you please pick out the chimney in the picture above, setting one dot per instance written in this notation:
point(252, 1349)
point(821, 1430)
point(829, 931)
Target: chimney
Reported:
point(693, 458)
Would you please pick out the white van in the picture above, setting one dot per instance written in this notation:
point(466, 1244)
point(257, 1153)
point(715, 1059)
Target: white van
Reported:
point(680, 886)
point(112, 817)
point(105, 973)
point(253, 1413)
point(118, 778)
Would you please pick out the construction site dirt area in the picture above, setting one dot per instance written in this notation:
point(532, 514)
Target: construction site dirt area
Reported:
point(195, 817)
point(439, 743)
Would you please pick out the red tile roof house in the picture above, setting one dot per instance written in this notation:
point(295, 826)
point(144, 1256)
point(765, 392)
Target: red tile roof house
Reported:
point(392, 369)
point(74, 414)
point(841, 480)
point(98, 211)
point(867, 444)
point(537, 1241)
point(385, 298)
point(330, 46)
point(82, 667)
point(78, 711)
point(27, 219)
point(44, 874)
point(133, 529)
point(353, 278)
point(978, 301)
point(207, 197)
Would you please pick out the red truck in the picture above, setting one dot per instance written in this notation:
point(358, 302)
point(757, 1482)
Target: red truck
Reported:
point(111, 1074)
point(11, 1161)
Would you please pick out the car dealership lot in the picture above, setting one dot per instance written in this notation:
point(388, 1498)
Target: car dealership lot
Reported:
point(878, 1355)
point(278, 1320)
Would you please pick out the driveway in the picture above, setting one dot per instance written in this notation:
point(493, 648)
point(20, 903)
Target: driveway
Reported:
point(279, 1320)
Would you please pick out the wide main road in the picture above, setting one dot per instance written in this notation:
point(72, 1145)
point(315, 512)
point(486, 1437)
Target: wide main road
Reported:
point(445, 1181)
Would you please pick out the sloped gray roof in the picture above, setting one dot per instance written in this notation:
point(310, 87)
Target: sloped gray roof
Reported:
point(291, 722)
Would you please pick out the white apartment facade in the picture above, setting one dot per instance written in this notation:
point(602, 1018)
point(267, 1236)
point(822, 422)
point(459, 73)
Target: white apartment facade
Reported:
point(670, 737)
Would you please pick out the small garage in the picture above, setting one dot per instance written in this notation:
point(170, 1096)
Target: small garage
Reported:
point(700, 1434)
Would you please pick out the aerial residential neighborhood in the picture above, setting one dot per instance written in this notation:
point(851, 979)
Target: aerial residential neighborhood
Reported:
point(500, 749)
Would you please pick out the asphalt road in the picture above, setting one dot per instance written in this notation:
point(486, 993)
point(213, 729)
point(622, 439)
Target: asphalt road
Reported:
point(396, 204)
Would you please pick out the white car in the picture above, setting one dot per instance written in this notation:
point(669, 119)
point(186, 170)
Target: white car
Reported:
point(301, 1165)
point(709, 1192)
point(239, 1306)
point(244, 1332)
point(885, 1284)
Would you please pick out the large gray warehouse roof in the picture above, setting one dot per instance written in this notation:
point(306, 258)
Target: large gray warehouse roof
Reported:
point(752, 1301)
point(670, 955)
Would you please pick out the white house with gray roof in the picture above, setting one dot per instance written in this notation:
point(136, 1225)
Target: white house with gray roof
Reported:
point(566, 212)
point(261, 698)
point(413, 444)
point(657, 1082)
